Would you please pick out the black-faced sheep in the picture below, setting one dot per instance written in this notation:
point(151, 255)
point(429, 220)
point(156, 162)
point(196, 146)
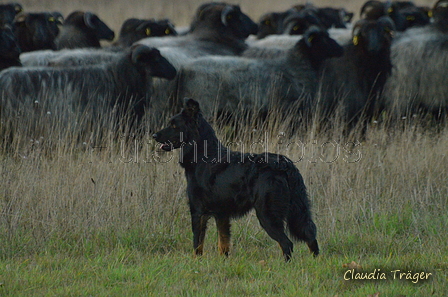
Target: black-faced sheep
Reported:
point(37, 31)
point(297, 23)
point(404, 14)
point(122, 83)
point(272, 23)
point(334, 17)
point(299, 18)
point(133, 30)
point(354, 81)
point(234, 86)
point(9, 49)
point(217, 29)
point(419, 76)
point(8, 12)
point(83, 29)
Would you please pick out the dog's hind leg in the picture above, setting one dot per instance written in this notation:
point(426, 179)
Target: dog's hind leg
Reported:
point(223, 225)
point(275, 228)
point(199, 226)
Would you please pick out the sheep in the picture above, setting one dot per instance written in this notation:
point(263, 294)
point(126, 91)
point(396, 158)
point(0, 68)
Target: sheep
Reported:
point(227, 85)
point(373, 10)
point(122, 83)
point(334, 17)
point(272, 23)
point(297, 19)
point(404, 14)
point(83, 29)
point(68, 57)
point(8, 12)
point(217, 29)
point(353, 82)
point(133, 30)
point(418, 80)
point(273, 45)
point(37, 31)
point(297, 23)
point(9, 49)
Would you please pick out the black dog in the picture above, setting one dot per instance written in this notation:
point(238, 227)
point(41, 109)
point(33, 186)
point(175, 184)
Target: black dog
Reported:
point(226, 184)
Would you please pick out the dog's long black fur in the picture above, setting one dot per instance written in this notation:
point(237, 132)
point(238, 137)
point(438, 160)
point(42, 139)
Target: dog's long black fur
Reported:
point(226, 184)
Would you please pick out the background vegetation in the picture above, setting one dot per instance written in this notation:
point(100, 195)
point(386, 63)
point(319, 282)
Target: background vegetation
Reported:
point(93, 212)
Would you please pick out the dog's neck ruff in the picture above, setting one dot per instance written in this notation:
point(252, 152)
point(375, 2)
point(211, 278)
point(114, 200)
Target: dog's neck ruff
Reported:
point(205, 149)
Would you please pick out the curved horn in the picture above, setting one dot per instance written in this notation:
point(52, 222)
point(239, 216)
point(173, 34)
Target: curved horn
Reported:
point(387, 22)
point(138, 51)
point(357, 27)
point(88, 19)
point(225, 12)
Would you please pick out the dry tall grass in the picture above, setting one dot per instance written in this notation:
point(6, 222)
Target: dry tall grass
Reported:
point(56, 185)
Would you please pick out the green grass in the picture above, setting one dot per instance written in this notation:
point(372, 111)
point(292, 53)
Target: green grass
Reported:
point(128, 271)
point(76, 222)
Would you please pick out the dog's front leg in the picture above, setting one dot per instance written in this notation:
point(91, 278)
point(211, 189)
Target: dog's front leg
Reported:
point(199, 225)
point(223, 225)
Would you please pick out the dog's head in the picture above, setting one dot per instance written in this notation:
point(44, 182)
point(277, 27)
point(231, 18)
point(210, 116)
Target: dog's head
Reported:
point(182, 128)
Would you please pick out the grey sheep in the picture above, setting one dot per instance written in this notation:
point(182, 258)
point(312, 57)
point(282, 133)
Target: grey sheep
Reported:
point(273, 45)
point(37, 31)
point(68, 57)
point(227, 85)
point(217, 29)
point(83, 29)
point(9, 49)
point(122, 83)
point(419, 76)
point(353, 83)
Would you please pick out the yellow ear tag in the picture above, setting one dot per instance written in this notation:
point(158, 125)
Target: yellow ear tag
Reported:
point(430, 13)
point(167, 31)
point(390, 10)
point(148, 31)
point(355, 40)
point(310, 39)
point(51, 19)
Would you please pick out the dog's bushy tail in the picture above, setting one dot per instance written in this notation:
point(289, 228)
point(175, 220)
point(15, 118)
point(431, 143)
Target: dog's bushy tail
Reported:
point(299, 221)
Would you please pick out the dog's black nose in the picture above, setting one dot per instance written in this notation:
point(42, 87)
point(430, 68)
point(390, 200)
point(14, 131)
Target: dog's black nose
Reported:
point(155, 136)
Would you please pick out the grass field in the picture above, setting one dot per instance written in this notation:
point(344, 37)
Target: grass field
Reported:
point(84, 215)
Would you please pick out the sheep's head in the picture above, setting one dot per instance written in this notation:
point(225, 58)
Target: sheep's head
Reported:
point(373, 10)
point(102, 30)
point(319, 45)
point(133, 30)
point(149, 60)
point(299, 22)
point(41, 28)
point(228, 19)
point(440, 14)
point(270, 23)
point(373, 37)
point(8, 12)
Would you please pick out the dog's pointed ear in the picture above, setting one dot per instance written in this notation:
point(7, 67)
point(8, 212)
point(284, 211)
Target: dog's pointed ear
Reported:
point(191, 107)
